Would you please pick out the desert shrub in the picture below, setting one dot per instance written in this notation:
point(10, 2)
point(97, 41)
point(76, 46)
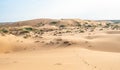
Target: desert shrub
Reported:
point(4, 30)
point(40, 24)
point(37, 41)
point(67, 43)
point(101, 29)
point(99, 25)
point(62, 26)
point(23, 32)
point(115, 27)
point(78, 24)
point(26, 36)
point(28, 28)
point(53, 22)
point(88, 25)
point(68, 31)
point(59, 39)
point(41, 31)
point(107, 25)
point(81, 31)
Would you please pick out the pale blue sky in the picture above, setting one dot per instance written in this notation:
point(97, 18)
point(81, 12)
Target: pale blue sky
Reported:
point(17, 10)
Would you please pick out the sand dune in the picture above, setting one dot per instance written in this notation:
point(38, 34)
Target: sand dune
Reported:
point(88, 45)
point(57, 59)
point(107, 43)
point(113, 32)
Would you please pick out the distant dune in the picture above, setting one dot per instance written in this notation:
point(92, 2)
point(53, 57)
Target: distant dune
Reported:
point(36, 22)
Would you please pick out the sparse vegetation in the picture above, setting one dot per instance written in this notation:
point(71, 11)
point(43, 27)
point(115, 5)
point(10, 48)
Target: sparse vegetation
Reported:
point(72, 38)
point(107, 25)
point(23, 32)
point(67, 43)
point(61, 26)
point(117, 27)
point(53, 22)
point(78, 24)
point(77, 27)
point(40, 24)
point(28, 28)
point(4, 30)
point(81, 31)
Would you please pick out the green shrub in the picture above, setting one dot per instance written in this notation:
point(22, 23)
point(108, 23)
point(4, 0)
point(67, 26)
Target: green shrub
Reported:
point(4, 30)
point(23, 32)
point(28, 29)
point(62, 26)
point(82, 31)
point(53, 22)
point(78, 24)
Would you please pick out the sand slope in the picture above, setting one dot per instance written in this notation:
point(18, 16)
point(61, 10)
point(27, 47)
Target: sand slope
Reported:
point(95, 52)
point(61, 59)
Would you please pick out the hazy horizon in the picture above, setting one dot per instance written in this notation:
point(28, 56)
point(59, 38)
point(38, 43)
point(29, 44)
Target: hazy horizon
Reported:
point(19, 10)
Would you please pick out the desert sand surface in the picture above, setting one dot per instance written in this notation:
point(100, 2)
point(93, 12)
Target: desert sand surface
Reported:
point(64, 44)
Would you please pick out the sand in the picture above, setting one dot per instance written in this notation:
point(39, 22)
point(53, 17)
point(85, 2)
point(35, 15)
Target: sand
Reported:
point(61, 59)
point(64, 49)
point(96, 52)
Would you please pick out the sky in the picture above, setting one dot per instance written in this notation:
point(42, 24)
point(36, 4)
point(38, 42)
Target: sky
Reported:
point(18, 10)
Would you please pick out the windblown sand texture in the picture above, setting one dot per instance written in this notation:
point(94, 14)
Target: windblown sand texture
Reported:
point(60, 44)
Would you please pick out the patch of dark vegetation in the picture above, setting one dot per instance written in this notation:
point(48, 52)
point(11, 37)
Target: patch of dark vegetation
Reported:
point(53, 22)
point(67, 43)
point(61, 26)
point(4, 30)
point(28, 28)
point(39, 24)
